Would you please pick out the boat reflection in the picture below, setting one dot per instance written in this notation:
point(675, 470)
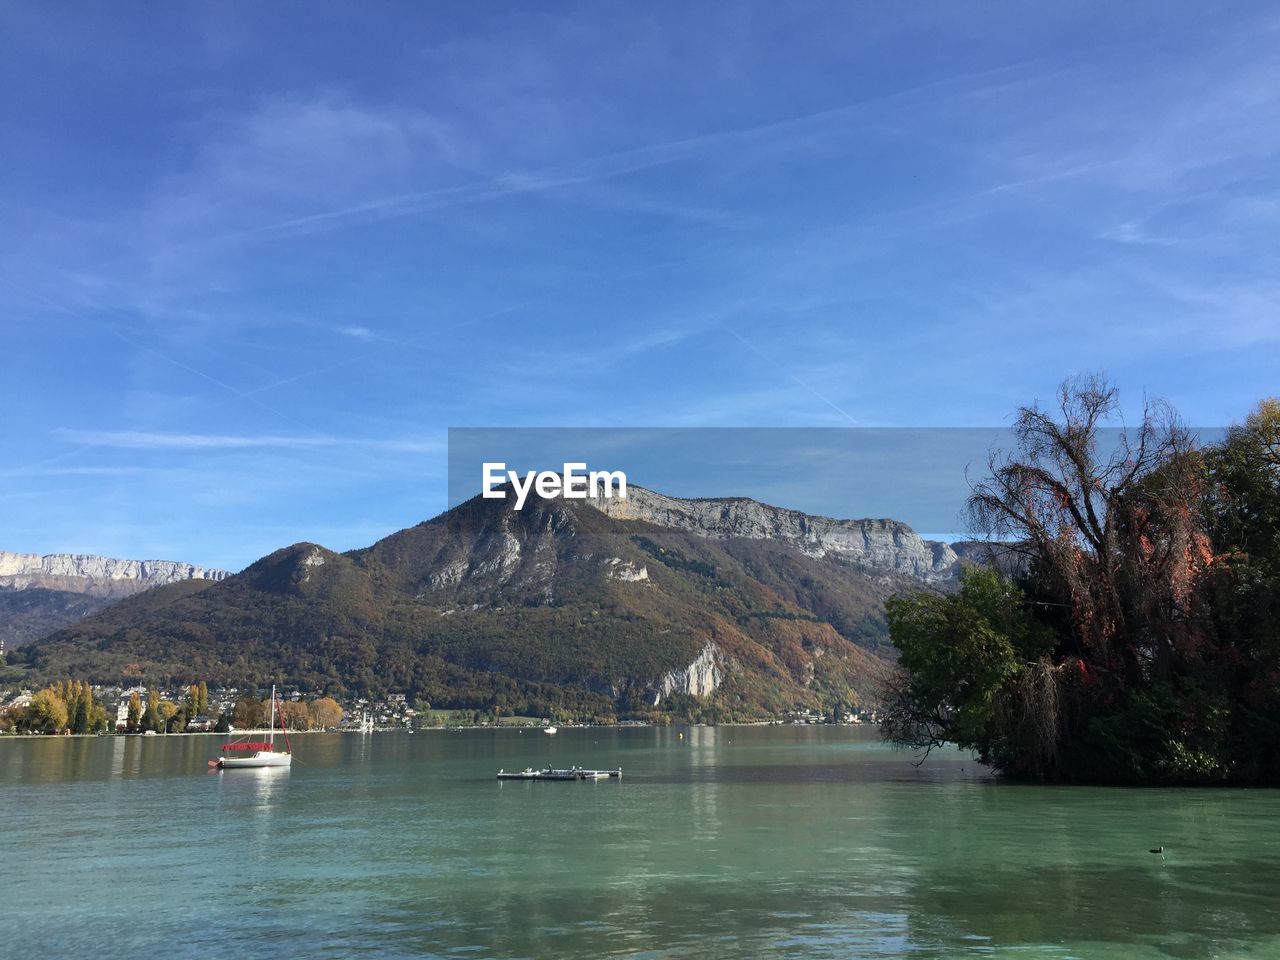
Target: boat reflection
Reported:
point(260, 787)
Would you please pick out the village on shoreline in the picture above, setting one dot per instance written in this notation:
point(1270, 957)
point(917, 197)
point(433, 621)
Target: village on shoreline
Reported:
point(199, 709)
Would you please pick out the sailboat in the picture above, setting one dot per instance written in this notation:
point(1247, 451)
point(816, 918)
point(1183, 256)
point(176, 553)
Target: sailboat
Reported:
point(260, 754)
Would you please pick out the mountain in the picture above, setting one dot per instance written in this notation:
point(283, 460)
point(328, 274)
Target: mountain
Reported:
point(876, 544)
point(1010, 559)
point(597, 608)
point(41, 594)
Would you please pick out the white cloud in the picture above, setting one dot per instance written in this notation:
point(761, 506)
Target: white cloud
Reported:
point(143, 440)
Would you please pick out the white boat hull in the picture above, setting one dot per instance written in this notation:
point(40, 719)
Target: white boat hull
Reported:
point(263, 758)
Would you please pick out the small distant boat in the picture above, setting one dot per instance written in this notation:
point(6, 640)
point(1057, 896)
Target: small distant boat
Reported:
point(549, 730)
point(261, 753)
point(550, 773)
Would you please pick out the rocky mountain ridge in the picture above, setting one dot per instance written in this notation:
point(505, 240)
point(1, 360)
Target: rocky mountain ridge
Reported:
point(883, 544)
point(18, 571)
point(43, 593)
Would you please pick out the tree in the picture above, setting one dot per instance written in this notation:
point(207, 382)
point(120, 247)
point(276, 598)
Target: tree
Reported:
point(151, 719)
point(81, 708)
point(960, 653)
point(1244, 516)
point(47, 712)
point(167, 711)
point(197, 704)
point(247, 714)
point(295, 716)
point(1107, 660)
point(1244, 475)
point(1117, 540)
point(135, 712)
point(325, 713)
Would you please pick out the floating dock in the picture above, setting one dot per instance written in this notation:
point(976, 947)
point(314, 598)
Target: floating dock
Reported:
point(551, 773)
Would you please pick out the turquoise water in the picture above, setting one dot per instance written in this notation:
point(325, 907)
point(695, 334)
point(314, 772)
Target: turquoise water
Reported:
point(733, 842)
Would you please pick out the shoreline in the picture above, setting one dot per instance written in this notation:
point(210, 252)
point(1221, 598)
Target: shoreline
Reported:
point(440, 729)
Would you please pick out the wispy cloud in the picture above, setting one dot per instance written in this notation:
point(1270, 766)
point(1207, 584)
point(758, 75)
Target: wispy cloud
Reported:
point(793, 131)
point(141, 440)
point(1134, 232)
point(105, 471)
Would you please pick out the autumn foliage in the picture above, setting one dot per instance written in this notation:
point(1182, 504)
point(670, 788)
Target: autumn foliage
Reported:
point(64, 707)
point(1152, 563)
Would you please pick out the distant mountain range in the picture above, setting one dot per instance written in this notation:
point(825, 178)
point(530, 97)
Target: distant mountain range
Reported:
point(41, 594)
point(603, 608)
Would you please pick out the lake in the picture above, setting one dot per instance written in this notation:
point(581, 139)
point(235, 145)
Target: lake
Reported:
point(729, 842)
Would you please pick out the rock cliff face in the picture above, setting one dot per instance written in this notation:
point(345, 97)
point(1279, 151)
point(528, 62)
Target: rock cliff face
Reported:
point(881, 544)
point(60, 588)
point(21, 570)
point(701, 678)
point(618, 569)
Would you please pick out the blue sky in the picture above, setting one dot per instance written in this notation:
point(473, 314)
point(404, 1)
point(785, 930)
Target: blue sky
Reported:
point(257, 258)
